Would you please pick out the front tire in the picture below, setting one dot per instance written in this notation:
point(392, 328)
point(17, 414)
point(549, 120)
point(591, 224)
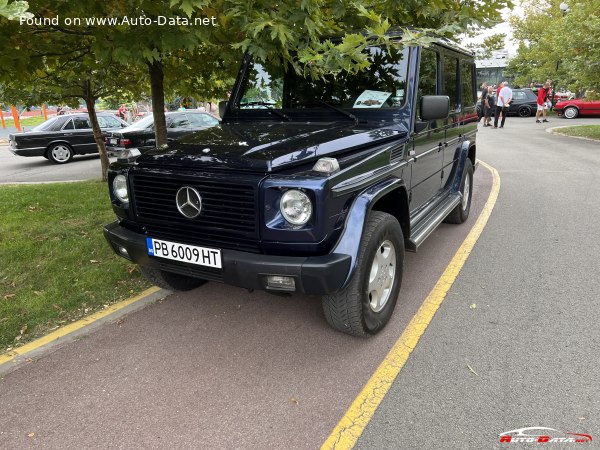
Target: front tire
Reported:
point(461, 213)
point(366, 305)
point(571, 112)
point(60, 153)
point(170, 281)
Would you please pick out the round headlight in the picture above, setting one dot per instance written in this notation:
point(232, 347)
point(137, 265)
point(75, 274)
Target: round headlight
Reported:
point(296, 207)
point(120, 188)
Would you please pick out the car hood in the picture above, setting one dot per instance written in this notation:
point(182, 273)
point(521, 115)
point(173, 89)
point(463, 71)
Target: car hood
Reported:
point(267, 147)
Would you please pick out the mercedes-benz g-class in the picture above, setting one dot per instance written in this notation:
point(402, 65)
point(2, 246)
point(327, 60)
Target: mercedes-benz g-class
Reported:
point(311, 186)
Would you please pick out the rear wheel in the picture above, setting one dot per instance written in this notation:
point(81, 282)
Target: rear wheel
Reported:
point(170, 281)
point(461, 212)
point(366, 305)
point(60, 153)
point(571, 112)
point(524, 111)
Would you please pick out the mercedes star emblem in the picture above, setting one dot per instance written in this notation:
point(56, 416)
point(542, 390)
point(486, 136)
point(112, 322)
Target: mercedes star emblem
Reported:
point(189, 202)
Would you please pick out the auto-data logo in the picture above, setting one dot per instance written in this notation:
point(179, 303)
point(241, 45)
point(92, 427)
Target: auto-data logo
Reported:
point(531, 435)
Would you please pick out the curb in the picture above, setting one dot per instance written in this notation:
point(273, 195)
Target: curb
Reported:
point(56, 339)
point(552, 131)
point(349, 429)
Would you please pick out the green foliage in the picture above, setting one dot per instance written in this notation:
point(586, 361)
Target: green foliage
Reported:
point(14, 10)
point(559, 46)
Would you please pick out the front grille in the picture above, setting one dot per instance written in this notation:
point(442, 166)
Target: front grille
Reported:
point(229, 217)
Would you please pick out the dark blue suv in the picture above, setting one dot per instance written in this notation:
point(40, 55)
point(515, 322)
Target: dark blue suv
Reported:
point(313, 186)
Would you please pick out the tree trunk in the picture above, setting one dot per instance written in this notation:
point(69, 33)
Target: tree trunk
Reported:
point(157, 90)
point(89, 103)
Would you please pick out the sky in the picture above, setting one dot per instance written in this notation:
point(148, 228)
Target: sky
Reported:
point(503, 27)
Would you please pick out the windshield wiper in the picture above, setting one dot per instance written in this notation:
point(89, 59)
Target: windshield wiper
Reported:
point(269, 108)
point(341, 111)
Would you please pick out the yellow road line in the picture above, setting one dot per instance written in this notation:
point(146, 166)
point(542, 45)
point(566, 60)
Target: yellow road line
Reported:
point(351, 426)
point(67, 329)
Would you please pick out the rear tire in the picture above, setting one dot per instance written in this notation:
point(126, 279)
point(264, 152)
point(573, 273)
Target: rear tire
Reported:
point(170, 281)
point(60, 153)
point(461, 213)
point(366, 305)
point(524, 111)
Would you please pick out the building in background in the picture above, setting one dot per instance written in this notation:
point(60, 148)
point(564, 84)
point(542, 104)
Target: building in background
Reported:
point(492, 70)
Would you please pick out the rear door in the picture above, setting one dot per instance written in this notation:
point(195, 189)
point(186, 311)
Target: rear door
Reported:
point(82, 136)
point(453, 131)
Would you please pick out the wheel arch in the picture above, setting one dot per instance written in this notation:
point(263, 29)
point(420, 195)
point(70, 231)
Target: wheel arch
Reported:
point(389, 196)
point(49, 146)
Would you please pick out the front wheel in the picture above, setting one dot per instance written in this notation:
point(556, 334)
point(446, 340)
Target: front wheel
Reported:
point(571, 112)
point(366, 305)
point(461, 213)
point(170, 281)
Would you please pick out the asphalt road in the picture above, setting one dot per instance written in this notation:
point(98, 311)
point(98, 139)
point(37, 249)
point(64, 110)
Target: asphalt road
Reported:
point(219, 367)
point(20, 169)
point(533, 338)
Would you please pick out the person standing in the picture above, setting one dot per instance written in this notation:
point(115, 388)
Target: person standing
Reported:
point(484, 95)
point(491, 103)
point(542, 103)
point(504, 99)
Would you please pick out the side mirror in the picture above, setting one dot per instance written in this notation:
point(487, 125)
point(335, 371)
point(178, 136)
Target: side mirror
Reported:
point(435, 107)
point(222, 108)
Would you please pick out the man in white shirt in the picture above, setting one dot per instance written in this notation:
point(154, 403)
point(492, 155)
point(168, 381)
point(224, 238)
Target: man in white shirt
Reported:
point(504, 99)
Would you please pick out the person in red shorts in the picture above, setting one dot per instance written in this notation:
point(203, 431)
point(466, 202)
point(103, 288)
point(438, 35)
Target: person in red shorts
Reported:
point(542, 103)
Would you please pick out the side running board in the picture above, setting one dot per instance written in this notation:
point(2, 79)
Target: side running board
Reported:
point(421, 230)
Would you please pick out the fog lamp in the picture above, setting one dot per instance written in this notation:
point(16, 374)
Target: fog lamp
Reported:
point(281, 283)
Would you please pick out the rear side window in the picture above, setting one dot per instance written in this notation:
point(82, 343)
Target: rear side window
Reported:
point(202, 120)
point(467, 81)
point(180, 121)
point(68, 125)
point(450, 78)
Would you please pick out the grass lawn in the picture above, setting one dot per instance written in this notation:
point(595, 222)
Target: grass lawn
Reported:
point(55, 265)
point(588, 131)
point(30, 122)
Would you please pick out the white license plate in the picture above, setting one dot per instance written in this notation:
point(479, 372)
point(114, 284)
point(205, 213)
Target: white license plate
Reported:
point(202, 256)
point(113, 142)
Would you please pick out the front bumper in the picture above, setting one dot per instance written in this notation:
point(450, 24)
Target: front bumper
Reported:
point(313, 274)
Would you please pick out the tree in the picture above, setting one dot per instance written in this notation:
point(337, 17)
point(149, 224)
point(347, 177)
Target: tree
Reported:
point(58, 65)
point(291, 33)
point(557, 44)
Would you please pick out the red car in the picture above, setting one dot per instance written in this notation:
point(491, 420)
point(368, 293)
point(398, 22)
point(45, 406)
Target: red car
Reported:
point(579, 107)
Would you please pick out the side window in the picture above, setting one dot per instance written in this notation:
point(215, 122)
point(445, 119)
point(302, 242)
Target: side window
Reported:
point(103, 122)
point(519, 95)
point(467, 81)
point(197, 120)
point(427, 76)
point(180, 121)
point(81, 123)
point(68, 125)
point(450, 69)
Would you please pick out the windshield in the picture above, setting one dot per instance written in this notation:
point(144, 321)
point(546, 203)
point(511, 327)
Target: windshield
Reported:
point(382, 85)
point(45, 125)
point(142, 124)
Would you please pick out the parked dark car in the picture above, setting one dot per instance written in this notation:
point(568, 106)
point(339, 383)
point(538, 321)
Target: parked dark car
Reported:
point(61, 137)
point(319, 192)
point(140, 134)
point(571, 109)
point(524, 103)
